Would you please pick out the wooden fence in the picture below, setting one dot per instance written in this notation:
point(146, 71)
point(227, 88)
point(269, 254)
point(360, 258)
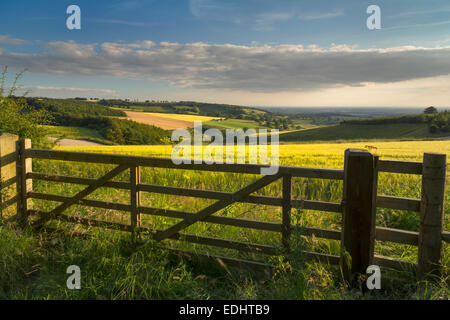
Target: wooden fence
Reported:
point(358, 205)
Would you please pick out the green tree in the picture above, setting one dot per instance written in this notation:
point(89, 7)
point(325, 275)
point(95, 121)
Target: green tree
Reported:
point(16, 116)
point(430, 110)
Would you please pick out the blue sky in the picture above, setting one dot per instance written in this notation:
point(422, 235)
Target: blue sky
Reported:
point(254, 52)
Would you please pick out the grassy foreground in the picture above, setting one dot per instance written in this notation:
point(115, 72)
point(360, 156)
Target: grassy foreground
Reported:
point(32, 266)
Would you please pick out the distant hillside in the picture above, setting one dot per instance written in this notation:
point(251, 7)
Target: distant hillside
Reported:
point(437, 122)
point(347, 131)
point(184, 107)
point(433, 125)
point(101, 120)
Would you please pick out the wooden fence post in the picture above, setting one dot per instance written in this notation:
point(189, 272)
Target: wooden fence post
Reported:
point(24, 166)
point(359, 201)
point(431, 214)
point(286, 220)
point(9, 194)
point(135, 196)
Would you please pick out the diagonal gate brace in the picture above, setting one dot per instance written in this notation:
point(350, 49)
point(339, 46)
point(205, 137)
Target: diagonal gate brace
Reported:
point(85, 192)
point(219, 205)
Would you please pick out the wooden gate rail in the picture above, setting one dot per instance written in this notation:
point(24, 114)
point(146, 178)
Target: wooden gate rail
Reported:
point(358, 205)
point(205, 194)
point(219, 205)
point(80, 195)
point(167, 163)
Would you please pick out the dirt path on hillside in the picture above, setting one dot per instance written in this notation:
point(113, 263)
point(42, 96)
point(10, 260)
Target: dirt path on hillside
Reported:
point(162, 122)
point(75, 143)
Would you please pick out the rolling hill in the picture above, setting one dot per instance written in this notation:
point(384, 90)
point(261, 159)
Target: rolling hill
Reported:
point(347, 131)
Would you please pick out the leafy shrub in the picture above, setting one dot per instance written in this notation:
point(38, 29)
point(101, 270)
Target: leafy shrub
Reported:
point(17, 117)
point(433, 128)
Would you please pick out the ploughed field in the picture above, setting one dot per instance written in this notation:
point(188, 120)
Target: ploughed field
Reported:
point(171, 121)
point(165, 120)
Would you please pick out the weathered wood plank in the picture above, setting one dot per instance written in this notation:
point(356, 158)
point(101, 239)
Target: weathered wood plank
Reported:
point(446, 236)
point(317, 205)
point(80, 195)
point(395, 166)
point(314, 173)
point(26, 185)
point(286, 214)
point(208, 194)
point(393, 263)
point(358, 225)
point(6, 204)
point(227, 244)
point(398, 203)
point(432, 214)
point(8, 182)
point(135, 199)
point(319, 173)
point(397, 236)
point(8, 158)
point(8, 171)
point(91, 222)
point(321, 257)
point(253, 266)
point(12, 219)
point(179, 191)
point(82, 202)
point(382, 234)
point(243, 223)
point(217, 242)
point(318, 232)
point(76, 180)
point(202, 214)
point(264, 200)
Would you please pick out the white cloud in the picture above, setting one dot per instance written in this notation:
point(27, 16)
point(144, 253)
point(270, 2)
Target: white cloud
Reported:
point(5, 39)
point(90, 90)
point(69, 92)
point(281, 68)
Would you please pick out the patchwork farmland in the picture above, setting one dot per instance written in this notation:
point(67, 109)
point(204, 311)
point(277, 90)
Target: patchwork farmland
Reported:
point(162, 121)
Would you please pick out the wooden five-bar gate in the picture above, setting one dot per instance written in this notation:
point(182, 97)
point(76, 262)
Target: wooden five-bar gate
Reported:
point(358, 205)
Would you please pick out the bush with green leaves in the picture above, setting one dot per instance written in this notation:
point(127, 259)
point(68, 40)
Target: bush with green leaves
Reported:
point(16, 117)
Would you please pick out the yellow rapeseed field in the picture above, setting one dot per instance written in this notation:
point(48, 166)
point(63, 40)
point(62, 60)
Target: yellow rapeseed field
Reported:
point(323, 154)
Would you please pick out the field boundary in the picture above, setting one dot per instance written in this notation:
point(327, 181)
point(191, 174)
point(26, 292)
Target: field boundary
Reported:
point(358, 205)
